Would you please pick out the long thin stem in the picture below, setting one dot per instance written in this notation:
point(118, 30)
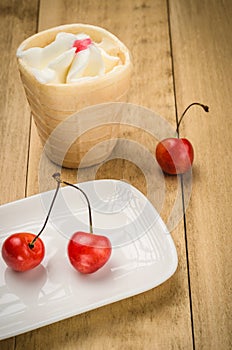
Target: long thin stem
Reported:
point(58, 179)
point(206, 109)
point(31, 245)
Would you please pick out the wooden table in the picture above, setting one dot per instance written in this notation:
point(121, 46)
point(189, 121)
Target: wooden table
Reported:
point(182, 53)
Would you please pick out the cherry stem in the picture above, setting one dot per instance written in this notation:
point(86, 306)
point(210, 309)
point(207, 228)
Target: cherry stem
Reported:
point(206, 109)
point(58, 179)
point(32, 243)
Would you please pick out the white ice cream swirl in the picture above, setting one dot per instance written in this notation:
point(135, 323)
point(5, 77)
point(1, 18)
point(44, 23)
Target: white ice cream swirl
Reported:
point(59, 63)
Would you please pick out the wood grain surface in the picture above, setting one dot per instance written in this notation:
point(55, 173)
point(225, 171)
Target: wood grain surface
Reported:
point(202, 52)
point(181, 52)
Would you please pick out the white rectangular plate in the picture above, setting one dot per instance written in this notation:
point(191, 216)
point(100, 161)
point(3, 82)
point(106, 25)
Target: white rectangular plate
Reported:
point(143, 255)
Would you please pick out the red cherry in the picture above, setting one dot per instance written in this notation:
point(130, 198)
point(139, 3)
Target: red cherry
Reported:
point(23, 251)
point(175, 156)
point(88, 252)
point(19, 254)
point(82, 44)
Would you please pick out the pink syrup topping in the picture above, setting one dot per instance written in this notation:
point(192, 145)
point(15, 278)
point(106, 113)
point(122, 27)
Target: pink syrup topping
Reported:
point(82, 44)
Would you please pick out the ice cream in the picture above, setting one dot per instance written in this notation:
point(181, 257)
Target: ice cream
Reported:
point(70, 58)
point(67, 68)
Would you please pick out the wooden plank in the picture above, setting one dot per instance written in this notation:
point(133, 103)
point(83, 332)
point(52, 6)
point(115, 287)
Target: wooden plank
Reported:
point(15, 116)
point(18, 20)
point(202, 51)
point(159, 318)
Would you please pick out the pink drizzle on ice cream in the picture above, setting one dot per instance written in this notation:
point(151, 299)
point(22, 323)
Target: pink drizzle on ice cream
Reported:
point(82, 44)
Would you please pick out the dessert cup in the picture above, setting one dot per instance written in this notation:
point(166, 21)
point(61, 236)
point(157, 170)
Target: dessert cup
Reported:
point(53, 103)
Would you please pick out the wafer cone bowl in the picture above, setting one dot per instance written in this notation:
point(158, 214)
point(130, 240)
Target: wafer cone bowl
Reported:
point(54, 105)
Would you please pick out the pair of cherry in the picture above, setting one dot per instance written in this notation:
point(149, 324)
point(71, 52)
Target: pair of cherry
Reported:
point(87, 252)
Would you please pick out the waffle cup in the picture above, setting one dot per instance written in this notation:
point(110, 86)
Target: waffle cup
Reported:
point(53, 104)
